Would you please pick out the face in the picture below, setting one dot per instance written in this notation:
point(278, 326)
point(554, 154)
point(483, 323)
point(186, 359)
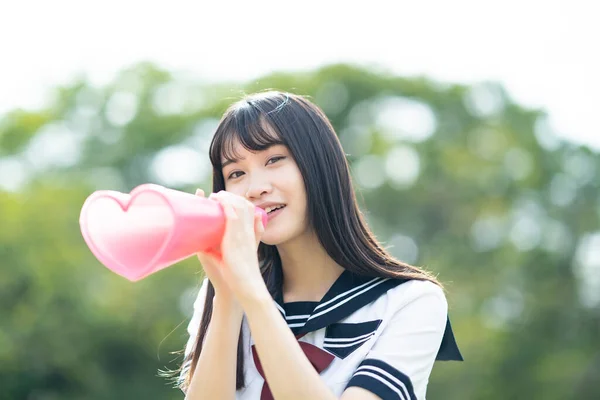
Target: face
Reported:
point(270, 179)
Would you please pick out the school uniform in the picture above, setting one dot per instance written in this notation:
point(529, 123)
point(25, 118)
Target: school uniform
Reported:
point(381, 334)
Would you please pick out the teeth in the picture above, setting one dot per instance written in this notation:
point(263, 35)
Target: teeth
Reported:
point(269, 209)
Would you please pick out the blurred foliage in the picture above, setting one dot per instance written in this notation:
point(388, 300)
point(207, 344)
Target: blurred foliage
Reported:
point(460, 180)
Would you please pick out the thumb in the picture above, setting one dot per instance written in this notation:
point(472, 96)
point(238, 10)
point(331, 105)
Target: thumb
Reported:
point(212, 256)
point(259, 228)
point(210, 264)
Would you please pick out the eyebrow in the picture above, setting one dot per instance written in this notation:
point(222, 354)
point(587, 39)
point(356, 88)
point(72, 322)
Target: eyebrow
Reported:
point(227, 162)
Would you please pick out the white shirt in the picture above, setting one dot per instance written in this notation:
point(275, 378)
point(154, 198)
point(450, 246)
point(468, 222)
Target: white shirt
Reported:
point(385, 335)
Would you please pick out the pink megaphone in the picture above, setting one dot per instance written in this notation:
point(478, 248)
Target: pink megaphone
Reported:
point(151, 228)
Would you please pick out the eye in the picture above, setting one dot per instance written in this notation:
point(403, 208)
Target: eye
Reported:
point(272, 160)
point(275, 159)
point(233, 175)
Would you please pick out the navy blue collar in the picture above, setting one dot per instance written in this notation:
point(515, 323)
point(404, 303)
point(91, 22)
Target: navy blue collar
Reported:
point(349, 293)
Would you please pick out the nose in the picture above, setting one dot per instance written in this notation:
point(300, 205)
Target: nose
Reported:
point(258, 186)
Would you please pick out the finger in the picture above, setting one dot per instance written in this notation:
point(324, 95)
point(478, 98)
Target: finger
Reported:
point(215, 253)
point(223, 197)
point(209, 264)
point(236, 208)
point(234, 202)
point(259, 228)
point(258, 224)
point(208, 256)
point(199, 192)
point(220, 198)
point(233, 198)
point(230, 211)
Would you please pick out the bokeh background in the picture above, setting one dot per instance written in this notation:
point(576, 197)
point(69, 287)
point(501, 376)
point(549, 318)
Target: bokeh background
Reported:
point(472, 132)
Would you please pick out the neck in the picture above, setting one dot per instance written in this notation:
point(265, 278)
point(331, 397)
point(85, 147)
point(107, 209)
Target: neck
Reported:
point(308, 271)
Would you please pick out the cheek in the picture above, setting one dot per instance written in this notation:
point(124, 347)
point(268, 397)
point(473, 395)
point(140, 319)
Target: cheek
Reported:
point(235, 189)
point(292, 177)
point(295, 186)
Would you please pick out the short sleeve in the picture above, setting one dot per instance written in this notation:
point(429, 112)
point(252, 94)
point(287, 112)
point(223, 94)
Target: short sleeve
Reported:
point(194, 326)
point(400, 362)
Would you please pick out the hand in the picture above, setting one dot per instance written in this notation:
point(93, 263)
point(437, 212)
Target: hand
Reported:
point(233, 268)
point(211, 261)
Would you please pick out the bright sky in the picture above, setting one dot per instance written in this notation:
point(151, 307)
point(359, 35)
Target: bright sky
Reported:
point(541, 50)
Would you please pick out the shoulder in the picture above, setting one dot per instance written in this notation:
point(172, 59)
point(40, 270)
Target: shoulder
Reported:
point(418, 294)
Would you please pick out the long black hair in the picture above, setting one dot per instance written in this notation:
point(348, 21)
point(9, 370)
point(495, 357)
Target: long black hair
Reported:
point(333, 212)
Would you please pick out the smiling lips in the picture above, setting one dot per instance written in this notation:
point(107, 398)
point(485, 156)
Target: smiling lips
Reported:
point(273, 208)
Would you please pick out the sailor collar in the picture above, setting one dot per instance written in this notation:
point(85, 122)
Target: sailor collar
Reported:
point(349, 293)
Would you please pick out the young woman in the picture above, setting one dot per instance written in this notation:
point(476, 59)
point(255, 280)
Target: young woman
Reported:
point(309, 306)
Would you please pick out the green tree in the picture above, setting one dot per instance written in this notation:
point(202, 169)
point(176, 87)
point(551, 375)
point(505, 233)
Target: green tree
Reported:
point(458, 179)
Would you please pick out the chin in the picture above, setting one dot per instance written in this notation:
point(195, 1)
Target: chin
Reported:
point(275, 237)
point(269, 243)
point(271, 240)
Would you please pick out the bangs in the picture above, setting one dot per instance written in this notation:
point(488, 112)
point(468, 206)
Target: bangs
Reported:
point(247, 127)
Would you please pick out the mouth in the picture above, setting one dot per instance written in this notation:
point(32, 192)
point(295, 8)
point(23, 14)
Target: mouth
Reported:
point(270, 210)
point(274, 211)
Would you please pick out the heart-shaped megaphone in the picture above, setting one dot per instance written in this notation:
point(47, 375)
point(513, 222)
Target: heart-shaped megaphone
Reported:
point(151, 228)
